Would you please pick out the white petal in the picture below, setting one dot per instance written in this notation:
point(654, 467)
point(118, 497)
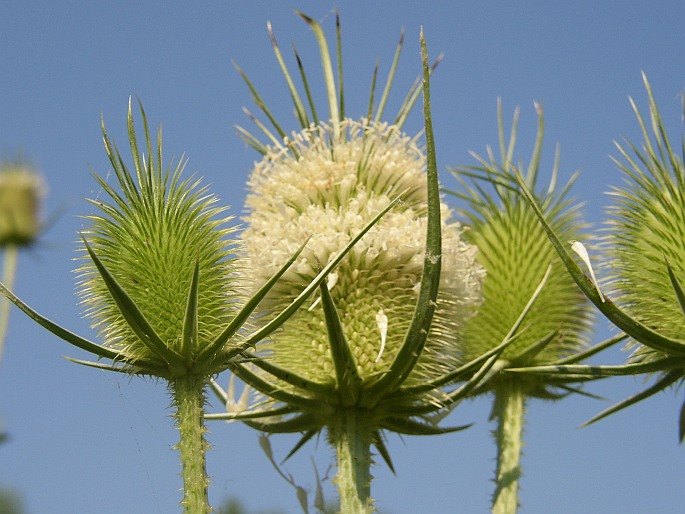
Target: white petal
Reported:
point(382, 321)
point(579, 248)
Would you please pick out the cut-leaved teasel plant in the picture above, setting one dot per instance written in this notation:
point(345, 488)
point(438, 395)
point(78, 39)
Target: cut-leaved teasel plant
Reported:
point(644, 256)
point(160, 279)
point(374, 350)
point(528, 296)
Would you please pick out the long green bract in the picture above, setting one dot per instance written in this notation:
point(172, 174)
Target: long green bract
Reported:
point(63, 333)
point(415, 339)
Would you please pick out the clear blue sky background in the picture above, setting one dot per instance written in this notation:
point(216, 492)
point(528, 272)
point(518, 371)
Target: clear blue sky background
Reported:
point(84, 440)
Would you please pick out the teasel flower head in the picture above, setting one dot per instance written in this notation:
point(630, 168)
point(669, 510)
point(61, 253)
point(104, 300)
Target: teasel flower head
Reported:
point(645, 241)
point(328, 191)
point(528, 296)
point(645, 255)
point(163, 240)
point(365, 344)
point(21, 193)
point(159, 271)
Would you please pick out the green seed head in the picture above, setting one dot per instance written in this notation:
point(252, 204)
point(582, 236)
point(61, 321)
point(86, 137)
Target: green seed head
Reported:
point(150, 234)
point(328, 189)
point(21, 192)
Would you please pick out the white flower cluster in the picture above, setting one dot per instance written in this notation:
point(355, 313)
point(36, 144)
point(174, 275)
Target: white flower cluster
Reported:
point(315, 187)
point(326, 185)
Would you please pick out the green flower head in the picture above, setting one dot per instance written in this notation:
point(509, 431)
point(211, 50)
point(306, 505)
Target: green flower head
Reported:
point(156, 244)
point(645, 259)
point(528, 296)
point(645, 243)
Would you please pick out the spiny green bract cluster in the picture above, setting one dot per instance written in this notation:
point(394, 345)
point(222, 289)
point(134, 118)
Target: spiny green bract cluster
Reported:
point(151, 236)
point(646, 233)
point(518, 258)
point(329, 189)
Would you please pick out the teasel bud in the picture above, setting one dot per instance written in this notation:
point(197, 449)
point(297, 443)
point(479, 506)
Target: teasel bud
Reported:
point(22, 191)
point(21, 194)
point(162, 240)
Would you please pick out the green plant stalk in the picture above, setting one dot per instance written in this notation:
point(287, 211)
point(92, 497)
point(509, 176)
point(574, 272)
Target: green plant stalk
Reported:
point(351, 435)
point(508, 410)
point(9, 270)
point(189, 400)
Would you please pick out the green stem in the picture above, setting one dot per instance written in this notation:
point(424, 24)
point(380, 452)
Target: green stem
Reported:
point(9, 269)
point(189, 400)
point(509, 410)
point(351, 436)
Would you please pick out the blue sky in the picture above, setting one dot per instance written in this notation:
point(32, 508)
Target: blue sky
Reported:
point(84, 440)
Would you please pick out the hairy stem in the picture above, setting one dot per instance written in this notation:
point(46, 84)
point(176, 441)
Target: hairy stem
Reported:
point(9, 269)
point(508, 411)
point(351, 436)
point(189, 400)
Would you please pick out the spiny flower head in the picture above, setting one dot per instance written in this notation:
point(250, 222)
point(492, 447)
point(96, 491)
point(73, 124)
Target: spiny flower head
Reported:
point(381, 339)
point(163, 241)
point(21, 192)
point(519, 259)
point(645, 243)
point(329, 189)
